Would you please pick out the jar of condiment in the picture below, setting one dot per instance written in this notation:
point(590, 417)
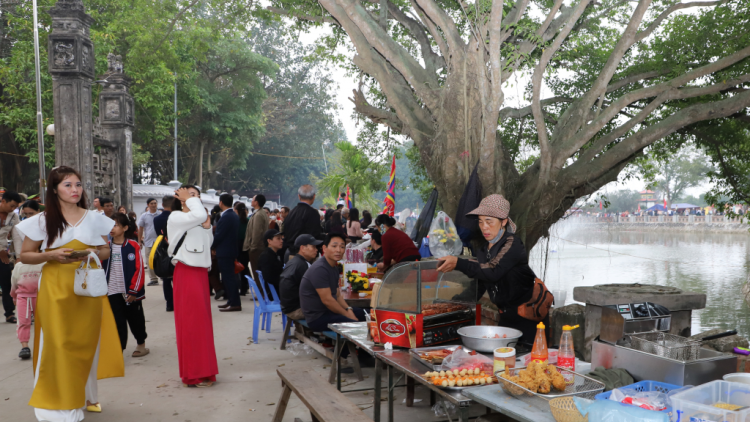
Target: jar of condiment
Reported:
point(505, 358)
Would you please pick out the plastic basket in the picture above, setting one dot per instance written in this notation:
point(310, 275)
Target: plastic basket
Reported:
point(564, 410)
point(645, 386)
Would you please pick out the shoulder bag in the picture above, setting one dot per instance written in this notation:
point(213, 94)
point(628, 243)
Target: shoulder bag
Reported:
point(89, 281)
point(162, 262)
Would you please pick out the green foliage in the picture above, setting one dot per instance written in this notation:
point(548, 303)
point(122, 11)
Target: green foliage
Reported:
point(622, 200)
point(300, 115)
point(350, 166)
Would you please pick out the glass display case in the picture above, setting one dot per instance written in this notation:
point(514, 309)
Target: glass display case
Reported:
point(419, 306)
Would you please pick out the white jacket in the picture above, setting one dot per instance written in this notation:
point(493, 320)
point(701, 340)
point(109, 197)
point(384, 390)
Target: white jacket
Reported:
point(196, 249)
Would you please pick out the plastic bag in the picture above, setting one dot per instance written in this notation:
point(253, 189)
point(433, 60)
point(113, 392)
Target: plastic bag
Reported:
point(444, 239)
point(442, 406)
point(473, 363)
point(649, 400)
point(401, 223)
point(609, 411)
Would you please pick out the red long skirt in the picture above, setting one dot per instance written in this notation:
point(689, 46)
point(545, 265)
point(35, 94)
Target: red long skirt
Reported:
point(193, 325)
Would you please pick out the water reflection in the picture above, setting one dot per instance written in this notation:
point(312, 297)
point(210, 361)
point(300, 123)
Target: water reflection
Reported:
point(712, 263)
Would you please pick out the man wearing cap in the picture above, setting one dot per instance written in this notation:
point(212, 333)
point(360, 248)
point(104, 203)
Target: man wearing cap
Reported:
point(269, 262)
point(502, 266)
point(304, 252)
point(225, 248)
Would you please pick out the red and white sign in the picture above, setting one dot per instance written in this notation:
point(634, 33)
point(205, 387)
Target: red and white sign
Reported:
point(392, 328)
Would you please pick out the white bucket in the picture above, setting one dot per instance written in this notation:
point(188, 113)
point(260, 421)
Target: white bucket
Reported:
point(560, 296)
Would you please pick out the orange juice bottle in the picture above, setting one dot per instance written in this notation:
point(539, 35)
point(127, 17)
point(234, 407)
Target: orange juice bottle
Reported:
point(539, 352)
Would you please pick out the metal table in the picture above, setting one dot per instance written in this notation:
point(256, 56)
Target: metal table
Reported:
point(531, 409)
point(356, 334)
point(403, 361)
point(524, 408)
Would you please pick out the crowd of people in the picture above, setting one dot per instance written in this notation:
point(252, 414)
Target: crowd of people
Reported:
point(224, 249)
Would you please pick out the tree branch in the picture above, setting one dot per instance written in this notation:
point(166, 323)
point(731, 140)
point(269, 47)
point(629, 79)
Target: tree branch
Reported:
point(445, 22)
point(536, 81)
point(679, 6)
point(375, 114)
point(659, 130)
point(424, 83)
point(519, 113)
point(173, 23)
point(436, 35)
point(319, 19)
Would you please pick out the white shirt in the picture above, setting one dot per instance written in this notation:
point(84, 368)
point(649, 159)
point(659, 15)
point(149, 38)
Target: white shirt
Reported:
point(196, 248)
point(89, 230)
point(116, 277)
point(146, 221)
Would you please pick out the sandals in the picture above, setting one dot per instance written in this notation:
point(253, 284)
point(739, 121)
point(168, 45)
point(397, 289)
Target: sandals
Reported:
point(140, 354)
point(94, 408)
point(11, 319)
point(203, 384)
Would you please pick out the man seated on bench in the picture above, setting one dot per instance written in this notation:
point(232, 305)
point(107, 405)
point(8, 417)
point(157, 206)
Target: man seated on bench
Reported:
point(319, 292)
point(304, 252)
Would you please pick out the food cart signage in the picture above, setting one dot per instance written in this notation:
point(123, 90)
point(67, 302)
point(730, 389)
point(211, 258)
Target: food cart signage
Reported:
point(392, 328)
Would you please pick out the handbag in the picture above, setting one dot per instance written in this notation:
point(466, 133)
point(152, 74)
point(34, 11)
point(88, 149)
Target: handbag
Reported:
point(90, 281)
point(162, 262)
point(238, 267)
point(537, 308)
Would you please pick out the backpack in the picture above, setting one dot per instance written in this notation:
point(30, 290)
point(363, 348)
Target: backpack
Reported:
point(160, 261)
point(537, 308)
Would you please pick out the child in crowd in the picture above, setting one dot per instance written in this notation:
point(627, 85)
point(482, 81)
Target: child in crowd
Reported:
point(125, 272)
point(24, 285)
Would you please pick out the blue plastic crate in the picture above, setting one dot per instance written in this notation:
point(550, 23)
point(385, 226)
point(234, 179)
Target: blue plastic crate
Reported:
point(645, 386)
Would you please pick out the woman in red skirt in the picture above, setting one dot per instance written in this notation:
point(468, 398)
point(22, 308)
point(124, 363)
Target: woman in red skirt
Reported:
point(190, 238)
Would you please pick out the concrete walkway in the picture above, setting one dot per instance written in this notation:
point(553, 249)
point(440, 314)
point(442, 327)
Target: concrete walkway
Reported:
point(247, 387)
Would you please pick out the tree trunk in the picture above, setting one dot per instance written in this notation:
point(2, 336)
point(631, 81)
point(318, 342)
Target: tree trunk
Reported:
point(200, 166)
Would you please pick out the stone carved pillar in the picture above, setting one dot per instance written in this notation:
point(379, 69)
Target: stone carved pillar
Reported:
point(116, 117)
point(71, 63)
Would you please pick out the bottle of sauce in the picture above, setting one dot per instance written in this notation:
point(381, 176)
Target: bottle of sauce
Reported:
point(566, 356)
point(539, 352)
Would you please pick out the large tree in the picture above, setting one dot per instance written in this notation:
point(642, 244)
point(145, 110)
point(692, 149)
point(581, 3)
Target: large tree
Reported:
point(620, 75)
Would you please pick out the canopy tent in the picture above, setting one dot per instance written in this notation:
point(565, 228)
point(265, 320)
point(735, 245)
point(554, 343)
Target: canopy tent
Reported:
point(685, 207)
point(657, 207)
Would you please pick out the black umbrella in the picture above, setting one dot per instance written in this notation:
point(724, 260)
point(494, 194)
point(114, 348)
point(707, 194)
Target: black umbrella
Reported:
point(469, 227)
point(422, 228)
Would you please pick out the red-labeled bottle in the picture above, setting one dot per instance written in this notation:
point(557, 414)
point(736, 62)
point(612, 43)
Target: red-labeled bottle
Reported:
point(566, 356)
point(539, 352)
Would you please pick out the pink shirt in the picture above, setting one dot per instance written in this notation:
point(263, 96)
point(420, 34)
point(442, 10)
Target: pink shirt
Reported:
point(354, 230)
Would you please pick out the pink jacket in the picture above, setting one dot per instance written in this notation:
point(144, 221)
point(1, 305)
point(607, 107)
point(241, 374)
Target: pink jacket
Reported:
point(25, 280)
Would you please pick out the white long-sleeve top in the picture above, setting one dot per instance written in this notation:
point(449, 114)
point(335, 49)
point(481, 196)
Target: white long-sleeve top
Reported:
point(196, 249)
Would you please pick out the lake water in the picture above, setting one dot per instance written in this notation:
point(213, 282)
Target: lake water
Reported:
point(712, 263)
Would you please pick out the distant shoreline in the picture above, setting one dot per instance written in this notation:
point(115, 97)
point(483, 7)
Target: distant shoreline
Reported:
point(713, 227)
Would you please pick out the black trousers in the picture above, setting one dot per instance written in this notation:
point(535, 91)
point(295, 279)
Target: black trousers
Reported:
point(511, 319)
point(330, 317)
point(230, 280)
point(168, 292)
point(128, 314)
point(6, 271)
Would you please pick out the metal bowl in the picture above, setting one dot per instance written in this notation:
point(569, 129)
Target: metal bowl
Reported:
point(479, 337)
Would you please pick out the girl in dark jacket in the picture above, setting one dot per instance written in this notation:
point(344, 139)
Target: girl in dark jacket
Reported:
point(502, 266)
point(124, 270)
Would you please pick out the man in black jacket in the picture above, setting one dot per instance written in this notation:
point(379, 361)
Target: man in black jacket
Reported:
point(160, 227)
point(225, 248)
point(269, 263)
point(303, 219)
point(291, 277)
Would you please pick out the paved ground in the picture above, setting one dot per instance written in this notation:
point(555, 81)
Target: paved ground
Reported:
point(247, 387)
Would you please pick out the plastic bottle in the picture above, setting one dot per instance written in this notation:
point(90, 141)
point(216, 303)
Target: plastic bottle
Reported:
point(539, 352)
point(566, 356)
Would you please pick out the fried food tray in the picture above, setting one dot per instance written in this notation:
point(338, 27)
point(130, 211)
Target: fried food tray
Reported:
point(577, 385)
point(433, 366)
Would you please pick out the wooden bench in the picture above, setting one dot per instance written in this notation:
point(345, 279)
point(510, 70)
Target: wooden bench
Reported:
point(334, 355)
point(326, 404)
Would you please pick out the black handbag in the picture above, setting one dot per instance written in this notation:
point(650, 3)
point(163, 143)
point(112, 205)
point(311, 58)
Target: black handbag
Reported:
point(163, 266)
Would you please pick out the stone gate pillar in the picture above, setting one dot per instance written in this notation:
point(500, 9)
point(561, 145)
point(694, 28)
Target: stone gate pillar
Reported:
point(71, 63)
point(116, 116)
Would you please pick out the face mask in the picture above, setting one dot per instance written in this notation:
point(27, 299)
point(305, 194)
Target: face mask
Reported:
point(273, 218)
point(382, 229)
